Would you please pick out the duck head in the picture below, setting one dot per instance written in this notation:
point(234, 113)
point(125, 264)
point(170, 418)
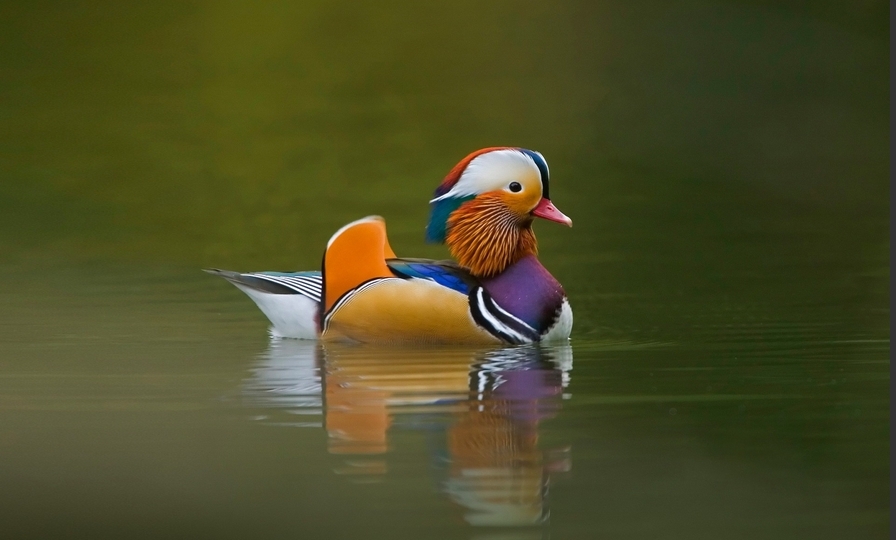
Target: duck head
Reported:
point(485, 207)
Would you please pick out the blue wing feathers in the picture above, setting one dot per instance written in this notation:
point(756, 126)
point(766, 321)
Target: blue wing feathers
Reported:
point(451, 277)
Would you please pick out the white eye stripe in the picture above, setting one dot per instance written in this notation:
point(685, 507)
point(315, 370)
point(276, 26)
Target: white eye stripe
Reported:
point(493, 171)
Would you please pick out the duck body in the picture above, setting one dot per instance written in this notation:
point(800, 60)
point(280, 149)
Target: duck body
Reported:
point(497, 293)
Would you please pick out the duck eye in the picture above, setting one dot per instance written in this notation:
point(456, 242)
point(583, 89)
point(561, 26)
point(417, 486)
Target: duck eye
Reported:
point(515, 187)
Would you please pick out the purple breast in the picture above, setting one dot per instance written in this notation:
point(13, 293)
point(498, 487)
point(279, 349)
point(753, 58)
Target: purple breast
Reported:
point(528, 291)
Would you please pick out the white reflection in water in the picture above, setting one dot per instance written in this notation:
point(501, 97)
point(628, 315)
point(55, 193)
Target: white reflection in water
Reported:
point(480, 411)
point(287, 379)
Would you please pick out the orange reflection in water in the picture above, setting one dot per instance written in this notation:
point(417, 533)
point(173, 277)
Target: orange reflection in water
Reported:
point(487, 405)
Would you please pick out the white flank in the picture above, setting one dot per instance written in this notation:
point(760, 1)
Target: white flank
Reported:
point(292, 315)
point(562, 327)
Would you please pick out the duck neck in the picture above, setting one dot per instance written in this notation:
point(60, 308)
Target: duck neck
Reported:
point(486, 237)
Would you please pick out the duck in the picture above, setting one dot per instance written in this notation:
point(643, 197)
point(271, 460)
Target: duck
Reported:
point(495, 291)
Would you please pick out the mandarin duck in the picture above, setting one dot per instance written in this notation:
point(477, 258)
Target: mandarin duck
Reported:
point(496, 293)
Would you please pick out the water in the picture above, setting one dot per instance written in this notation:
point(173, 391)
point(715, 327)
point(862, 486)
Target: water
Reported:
point(724, 163)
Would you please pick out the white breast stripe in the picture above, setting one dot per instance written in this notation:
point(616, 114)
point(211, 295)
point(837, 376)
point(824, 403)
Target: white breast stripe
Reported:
point(499, 327)
point(502, 311)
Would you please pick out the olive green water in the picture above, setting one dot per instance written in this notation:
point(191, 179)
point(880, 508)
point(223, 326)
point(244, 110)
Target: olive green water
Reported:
point(725, 164)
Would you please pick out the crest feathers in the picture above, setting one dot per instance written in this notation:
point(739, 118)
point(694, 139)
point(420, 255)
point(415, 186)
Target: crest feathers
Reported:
point(456, 172)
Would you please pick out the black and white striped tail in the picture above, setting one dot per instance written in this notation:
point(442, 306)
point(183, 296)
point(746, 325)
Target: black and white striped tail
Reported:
point(308, 284)
point(289, 300)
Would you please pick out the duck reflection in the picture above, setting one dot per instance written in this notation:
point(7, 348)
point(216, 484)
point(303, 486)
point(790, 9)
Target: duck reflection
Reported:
point(480, 409)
